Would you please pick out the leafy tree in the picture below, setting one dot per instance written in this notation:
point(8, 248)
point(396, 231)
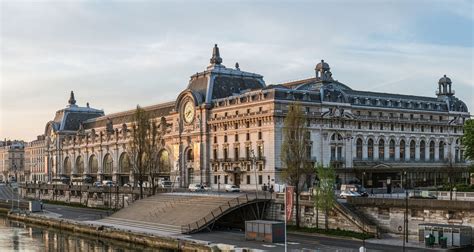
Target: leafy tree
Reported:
point(468, 139)
point(294, 152)
point(325, 199)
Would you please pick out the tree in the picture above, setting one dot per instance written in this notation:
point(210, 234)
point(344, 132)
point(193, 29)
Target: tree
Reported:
point(468, 139)
point(294, 152)
point(140, 128)
point(468, 143)
point(325, 190)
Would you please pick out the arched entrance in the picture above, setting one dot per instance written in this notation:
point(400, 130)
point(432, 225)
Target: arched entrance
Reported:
point(125, 168)
point(93, 167)
point(107, 164)
point(67, 167)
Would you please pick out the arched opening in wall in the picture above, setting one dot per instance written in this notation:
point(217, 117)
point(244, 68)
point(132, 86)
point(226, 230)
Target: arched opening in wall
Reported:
point(164, 165)
point(422, 150)
point(432, 151)
point(370, 149)
point(189, 156)
point(93, 167)
point(125, 168)
point(190, 176)
point(402, 150)
point(391, 149)
point(412, 150)
point(67, 167)
point(107, 165)
point(381, 149)
point(79, 166)
point(359, 148)
point(441, 151)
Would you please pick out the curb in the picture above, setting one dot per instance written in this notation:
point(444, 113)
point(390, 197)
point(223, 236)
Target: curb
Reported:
point(324, 235)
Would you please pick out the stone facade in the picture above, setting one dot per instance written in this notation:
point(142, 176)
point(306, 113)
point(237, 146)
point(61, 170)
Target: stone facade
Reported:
point(225, 127)
point(12, 161)
point(35, 160)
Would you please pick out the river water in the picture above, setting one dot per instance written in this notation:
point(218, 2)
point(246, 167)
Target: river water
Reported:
point(18, 236)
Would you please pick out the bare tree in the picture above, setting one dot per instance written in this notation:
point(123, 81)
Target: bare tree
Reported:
point(294, 152)
point(138, 145)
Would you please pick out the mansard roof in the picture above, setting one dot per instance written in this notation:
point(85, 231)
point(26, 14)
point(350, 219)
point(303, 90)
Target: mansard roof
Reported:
point(154, 111)
point(331, 90)
point(219, 81)
point(70, 118)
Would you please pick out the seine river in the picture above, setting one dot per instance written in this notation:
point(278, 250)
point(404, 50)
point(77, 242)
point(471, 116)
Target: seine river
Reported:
point(18, 236)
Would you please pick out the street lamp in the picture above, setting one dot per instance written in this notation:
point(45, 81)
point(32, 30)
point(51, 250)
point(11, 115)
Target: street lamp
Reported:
point(405, 238)
point(255, 170)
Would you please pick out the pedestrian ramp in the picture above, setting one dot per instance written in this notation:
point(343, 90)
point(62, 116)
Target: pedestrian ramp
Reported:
point(182, 212)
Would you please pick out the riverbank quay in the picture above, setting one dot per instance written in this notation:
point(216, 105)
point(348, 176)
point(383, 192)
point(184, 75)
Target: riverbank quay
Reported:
point(100, 231)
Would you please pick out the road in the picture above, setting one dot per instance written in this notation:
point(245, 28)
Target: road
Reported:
point(296, 242)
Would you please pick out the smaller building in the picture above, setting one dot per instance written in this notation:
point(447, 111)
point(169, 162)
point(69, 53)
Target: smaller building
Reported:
point(35, 160)
point(11, 161)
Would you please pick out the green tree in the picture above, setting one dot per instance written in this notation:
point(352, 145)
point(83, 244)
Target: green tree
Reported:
point(294, 153)
point(324, 191)
point(468, 139)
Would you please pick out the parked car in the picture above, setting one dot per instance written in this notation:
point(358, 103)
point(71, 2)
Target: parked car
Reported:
point(108, 183)
point(165, 184)
point(345, 194)
point(127, 185)
point(232, 188)
point(195, 188)
point(97, 184)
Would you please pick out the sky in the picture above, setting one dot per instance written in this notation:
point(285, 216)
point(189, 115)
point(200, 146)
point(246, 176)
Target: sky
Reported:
point(117, 54)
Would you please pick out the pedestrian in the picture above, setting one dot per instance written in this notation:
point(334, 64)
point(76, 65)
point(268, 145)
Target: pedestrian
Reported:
point(271, 189)
point(264, 187)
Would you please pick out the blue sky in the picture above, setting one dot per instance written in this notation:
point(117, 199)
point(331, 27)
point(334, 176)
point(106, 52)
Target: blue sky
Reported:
point(115, 55)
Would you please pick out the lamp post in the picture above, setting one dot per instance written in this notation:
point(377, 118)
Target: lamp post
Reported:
point(405, 221)
point(255, 170)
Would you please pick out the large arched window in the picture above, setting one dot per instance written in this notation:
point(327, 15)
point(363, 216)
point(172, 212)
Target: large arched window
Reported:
point(370, 149)
point(412, 149)
point(381, 149)
point(441, 151)
point(108, 162)
point(422, 150)
point(67, 166)
point(125, 165)
point(391, 149)
point(79, 165)
point(359, 148)
point(190, 155)
point(164, 164)
point(432, 150)
point(93, 165)
point(402, 150)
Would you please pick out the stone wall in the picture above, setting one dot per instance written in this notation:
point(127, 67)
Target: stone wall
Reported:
point(110, 197)
point(339, 217)
point(388, 214)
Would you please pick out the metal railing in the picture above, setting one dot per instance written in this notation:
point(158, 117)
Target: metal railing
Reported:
point(224, 209)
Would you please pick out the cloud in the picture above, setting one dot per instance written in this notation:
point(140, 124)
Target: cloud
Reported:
point(119, 54)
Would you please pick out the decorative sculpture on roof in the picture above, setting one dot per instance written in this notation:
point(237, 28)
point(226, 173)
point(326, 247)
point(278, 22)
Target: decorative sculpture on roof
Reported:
point(72, 101)
point(323, 72)
point(216, 58)
point(81, 131)
point(109, 127)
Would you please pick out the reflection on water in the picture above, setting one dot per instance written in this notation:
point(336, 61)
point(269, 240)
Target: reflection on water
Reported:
point(18, 236)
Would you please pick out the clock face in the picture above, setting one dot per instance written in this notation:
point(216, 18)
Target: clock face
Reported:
point(188, 112)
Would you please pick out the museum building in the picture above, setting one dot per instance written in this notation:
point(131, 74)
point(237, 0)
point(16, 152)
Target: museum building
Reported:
point(225, 127)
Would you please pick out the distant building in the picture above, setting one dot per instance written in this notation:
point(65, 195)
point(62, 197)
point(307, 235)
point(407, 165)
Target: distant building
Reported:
point(226, 126)
point(12, 161)
point(35, 160)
